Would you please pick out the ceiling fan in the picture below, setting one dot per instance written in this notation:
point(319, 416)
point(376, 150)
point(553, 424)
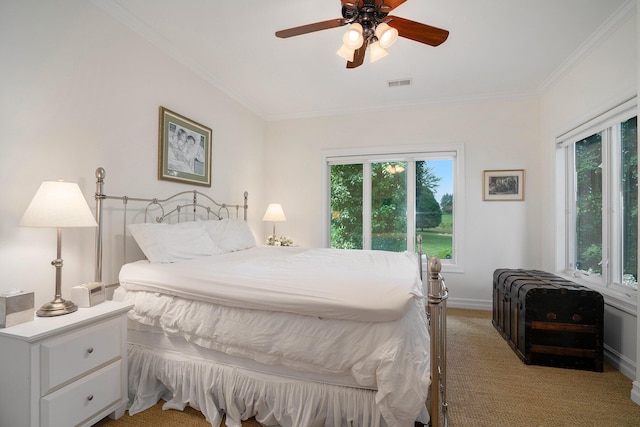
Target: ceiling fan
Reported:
point(371, 26)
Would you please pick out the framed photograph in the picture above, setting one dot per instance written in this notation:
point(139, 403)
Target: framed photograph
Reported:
point(503, 185)
point(184, 150)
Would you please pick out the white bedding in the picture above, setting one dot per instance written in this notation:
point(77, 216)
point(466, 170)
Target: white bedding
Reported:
point(239, 394)
point(325, 324)
point(369, 286)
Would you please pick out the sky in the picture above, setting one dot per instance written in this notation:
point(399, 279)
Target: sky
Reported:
point(444, 170)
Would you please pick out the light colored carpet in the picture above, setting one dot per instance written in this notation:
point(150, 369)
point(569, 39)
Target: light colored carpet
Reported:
point(489, 386)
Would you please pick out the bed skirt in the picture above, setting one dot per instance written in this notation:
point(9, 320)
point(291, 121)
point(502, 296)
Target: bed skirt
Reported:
point(216, 390)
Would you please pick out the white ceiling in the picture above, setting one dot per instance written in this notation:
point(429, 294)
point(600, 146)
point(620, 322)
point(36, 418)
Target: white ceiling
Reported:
point(496, 48)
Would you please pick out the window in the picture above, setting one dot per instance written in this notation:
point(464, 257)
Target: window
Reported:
point(383, 200)
point(599, 163)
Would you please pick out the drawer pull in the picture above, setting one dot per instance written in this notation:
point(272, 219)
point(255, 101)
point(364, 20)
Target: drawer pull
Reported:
point(90, 350)
point(90, 397)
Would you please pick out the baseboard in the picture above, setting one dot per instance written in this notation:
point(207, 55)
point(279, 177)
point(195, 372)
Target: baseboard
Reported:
point(635, 392)
point(621, 363)
point(470, 304)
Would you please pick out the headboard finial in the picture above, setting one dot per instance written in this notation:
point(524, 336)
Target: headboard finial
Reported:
point(100, 173)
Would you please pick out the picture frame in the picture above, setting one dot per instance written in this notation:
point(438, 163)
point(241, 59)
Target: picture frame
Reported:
point(184, 149)
point(503, 185)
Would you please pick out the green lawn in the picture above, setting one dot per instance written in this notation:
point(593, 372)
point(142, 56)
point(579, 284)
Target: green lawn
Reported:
point(438, 241)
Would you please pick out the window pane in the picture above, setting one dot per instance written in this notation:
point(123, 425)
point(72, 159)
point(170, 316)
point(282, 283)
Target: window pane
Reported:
point(370, 198)
point(389, 206)
point(346, 206)
point(629, 202)
point(434, 207)
point(588, 161)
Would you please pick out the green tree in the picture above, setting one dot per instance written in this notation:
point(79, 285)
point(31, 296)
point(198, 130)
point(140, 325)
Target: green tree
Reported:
point(629, 139)
point(589, 204)
point(428, 211)
point(388, 204)
point(346, 206)
point(446, 203)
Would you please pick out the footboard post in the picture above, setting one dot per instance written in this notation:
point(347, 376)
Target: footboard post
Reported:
point(438, 331)
point(99, 196)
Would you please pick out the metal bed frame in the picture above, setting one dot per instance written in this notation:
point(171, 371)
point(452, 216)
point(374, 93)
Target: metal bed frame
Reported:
point(437, 314)
point(188, 207)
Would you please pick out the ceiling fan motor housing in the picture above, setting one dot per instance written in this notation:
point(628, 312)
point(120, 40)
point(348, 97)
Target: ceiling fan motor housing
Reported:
point(369, 16)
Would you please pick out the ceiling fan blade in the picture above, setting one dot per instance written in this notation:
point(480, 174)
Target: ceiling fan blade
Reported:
point(422, 33)
point(358, 56)
point(352, 4)
point(389, 5)
point(310, 28)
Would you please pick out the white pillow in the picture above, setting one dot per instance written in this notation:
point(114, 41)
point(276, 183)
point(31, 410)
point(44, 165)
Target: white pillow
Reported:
point(230, 234)
point(173, 242)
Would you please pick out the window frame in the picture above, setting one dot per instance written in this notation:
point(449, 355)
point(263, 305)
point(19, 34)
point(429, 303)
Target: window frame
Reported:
point(411, 154)
point(607, 124)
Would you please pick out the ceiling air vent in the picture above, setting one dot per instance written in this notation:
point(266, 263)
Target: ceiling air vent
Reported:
point(398, 83)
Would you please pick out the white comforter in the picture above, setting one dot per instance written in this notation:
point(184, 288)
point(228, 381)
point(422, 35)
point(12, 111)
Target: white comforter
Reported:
point(370, 286)
point(309, 334)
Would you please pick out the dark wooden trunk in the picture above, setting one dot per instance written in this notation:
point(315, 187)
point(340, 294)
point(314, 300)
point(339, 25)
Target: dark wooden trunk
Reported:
point(548, 320)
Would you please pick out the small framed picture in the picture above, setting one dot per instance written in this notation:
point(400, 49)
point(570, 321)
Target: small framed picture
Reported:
point(184, 150)
point(503, 185)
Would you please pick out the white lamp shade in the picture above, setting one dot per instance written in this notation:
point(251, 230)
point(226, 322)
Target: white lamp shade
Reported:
point(274, 213)
point(353, 38)
point(386, 35)
point(376, 52)
point(58, 204)
point(346, 53)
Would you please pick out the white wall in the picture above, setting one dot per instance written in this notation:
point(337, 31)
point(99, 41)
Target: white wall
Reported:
point(600, 80)
point(495, 134)
point(79, 90)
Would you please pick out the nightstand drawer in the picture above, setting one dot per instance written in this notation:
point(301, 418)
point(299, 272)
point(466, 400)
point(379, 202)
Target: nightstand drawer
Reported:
point(73, 354)
point(82, 399)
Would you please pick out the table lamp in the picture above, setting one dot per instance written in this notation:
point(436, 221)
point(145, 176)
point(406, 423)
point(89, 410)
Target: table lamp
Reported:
point(58, 204)
point(274, 213)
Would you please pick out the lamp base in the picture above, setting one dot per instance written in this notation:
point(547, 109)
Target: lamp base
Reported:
point(57, 307)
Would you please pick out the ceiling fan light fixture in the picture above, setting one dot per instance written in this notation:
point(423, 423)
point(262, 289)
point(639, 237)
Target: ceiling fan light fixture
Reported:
point(386, 34)
point(346, 53)
point(394, 169)
point(353, 38)
point(376, 52)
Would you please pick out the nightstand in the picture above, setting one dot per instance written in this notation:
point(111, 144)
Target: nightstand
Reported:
point(68, 370)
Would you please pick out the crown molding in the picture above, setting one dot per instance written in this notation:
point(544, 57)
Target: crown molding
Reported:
point(625, 12)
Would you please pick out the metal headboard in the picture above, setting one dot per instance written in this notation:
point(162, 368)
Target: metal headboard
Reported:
point(178, 203)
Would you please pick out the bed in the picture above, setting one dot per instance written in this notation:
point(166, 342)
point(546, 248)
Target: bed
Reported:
point(291, 336)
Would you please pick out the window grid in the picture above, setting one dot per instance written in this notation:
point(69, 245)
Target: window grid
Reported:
point(368, 156)
point(617, 269)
